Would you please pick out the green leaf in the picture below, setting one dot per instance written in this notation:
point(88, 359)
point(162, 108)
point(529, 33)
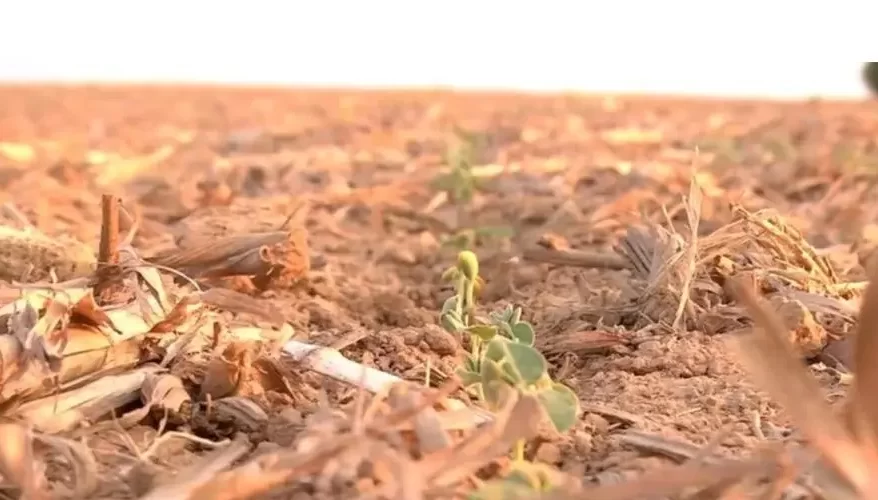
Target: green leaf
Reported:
point(491, 372)
point(496, 317)
point(512, 374)
point(450, 304)
point(525, 477)
point(451, 323)
point(484, 332)
point(529, 362)
point(450, 274)
point(468, 378)
point(534, 475)
point(561, 406)
point(500, 489)
point(496, 349)
point(508, 313)
point(515, 317)
point(472, 364)
point(506, 329)
point(523, 333)
point(495, 394)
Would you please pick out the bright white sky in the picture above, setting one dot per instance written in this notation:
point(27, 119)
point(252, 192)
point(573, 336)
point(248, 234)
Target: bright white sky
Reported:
point(746, 47)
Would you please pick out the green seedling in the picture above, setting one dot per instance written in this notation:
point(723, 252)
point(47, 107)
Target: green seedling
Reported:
point(522, 480)
point(502, 356)
point(460, 184)
point(465, 239)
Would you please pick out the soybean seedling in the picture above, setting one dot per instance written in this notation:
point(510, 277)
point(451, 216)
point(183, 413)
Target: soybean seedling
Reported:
point(460, 184)
point(503, 358)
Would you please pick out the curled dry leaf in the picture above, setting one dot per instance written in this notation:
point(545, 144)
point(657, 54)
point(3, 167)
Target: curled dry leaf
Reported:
point(429, 433)
point(180, 315)
point(520, 418)
point(39, 325)
point(18, 463)
point(269, 374)
point(277, 257)
point(164, 391)
point(151, 278)
point(48, 338)
point(87, 311)
point(225, 372)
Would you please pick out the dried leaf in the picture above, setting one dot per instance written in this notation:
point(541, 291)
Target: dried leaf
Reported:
point(224, 373)
point(18, 463)
point(179, 316)
point(47, 340)
point(771, 359)
point(214, 255)
point(87, 309)
point(164, 391)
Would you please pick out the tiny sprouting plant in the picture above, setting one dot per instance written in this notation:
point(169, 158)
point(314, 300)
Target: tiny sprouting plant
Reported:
point(521, 481)
point(467, 238)
point(502, 357)
point(460, 184)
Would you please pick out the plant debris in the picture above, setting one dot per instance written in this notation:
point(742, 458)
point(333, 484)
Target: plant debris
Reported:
point(434, 295)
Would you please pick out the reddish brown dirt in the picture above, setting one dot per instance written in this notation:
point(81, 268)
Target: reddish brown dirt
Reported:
point(588, 167)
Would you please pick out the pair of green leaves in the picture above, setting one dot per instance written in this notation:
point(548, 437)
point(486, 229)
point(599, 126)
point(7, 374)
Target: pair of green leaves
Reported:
point(508, 364)
point(459, 182)
point(503, 362)
point(506, 323)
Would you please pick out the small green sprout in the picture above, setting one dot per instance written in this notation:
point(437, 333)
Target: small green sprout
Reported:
point(470, 237)
point(502, 358)
point(460, 184)
point(521, 481)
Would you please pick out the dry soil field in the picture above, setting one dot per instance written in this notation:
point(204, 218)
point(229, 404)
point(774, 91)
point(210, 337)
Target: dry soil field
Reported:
point(616, 224)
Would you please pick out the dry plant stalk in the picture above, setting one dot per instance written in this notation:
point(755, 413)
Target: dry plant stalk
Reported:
point(56, 338)
point(576, 258)
point(847, 447)
point(107, 287)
